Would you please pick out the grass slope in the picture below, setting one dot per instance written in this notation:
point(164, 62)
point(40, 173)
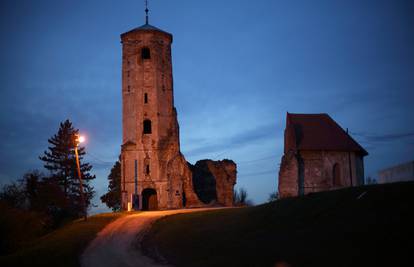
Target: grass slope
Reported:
point(61, 247)
point(332, 228)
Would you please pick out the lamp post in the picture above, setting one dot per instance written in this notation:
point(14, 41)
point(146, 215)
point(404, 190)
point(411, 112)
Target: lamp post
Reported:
point(80, 139)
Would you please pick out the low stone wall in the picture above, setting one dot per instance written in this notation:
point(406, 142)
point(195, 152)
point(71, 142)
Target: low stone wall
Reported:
point(214, 181)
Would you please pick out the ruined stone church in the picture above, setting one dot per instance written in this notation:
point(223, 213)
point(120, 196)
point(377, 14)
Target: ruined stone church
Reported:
point(154, 173)
point(318, 156)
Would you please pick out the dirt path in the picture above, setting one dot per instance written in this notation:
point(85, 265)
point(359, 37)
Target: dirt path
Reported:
point(115, 245)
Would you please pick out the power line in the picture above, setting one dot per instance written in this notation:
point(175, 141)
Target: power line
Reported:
point(257, 173)
point(259, 159)
point(98, 159)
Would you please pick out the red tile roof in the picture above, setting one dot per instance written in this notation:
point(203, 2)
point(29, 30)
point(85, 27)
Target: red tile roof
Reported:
point(318, 132)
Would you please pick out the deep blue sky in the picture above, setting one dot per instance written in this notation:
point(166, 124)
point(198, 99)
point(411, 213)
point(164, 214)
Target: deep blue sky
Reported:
point(238, 65)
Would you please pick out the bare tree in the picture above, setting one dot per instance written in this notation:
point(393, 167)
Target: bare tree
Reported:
point(240, 198)
point(273, 196)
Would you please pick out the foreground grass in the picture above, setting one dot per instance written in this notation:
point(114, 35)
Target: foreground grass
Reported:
point(61, 247)
point(338, 228)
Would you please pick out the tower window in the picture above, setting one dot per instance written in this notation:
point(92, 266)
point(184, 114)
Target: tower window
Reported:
point(145, 53)
point(145, 98)
point(147, 169)
point(147, 126)
point(129, 88)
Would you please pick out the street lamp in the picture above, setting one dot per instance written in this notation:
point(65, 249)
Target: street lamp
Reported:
point(80, 139)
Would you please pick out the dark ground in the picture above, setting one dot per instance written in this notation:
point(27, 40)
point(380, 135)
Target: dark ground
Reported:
point(336, 228)
point(61, 247)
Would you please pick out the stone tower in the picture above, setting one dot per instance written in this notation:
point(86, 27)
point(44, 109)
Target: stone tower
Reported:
point(154, 173)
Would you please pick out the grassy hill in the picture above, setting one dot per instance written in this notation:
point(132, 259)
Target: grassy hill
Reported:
point(61, 247)
point(360, 226)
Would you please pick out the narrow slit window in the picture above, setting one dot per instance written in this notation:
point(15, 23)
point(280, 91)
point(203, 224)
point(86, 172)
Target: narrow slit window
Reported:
point(147, 126)
point(145, 53)
point(147, 169)
point(336, 173)
point(145, 98)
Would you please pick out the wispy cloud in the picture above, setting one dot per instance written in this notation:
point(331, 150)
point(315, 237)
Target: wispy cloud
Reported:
point(379, 138)
point(238, 140)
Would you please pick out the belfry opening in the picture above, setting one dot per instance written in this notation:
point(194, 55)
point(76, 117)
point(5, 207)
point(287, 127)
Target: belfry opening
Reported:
point(145, 53)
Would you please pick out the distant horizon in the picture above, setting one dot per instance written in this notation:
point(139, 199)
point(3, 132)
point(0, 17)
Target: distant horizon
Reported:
point(238, 68)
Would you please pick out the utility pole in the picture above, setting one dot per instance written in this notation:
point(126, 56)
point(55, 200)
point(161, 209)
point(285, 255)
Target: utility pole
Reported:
point(79, 139)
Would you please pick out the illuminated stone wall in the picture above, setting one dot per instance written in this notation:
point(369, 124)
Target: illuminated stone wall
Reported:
point(147, 94)
point(312, 171)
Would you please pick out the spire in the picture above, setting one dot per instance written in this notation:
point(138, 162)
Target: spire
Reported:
point(146, 11)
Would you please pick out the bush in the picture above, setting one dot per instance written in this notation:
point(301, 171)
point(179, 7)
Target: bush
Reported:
point(273, 196)
point(17, 227)
point(240, 198)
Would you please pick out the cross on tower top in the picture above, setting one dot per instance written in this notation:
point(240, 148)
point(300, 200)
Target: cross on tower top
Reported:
point(146, 11)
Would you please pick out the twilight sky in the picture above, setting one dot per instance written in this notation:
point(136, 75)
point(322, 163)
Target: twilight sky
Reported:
point(239, 66)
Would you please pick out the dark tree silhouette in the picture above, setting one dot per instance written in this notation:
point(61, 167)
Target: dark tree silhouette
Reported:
point(12, 195)
point(30, 186)
point(60, 160)
point(240, 198)
point(273, 196)
point(44, 196)
point(370, 180)
point(113, 197)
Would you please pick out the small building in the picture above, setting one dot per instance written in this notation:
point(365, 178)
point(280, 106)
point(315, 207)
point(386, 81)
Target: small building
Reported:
point(399, 173)
point(318, 155)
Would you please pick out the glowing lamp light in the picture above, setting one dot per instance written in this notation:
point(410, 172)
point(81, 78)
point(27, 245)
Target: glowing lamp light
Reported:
point(81, 139)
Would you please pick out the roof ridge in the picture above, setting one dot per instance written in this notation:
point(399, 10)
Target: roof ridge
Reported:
point(147, 27)
point(319, 131)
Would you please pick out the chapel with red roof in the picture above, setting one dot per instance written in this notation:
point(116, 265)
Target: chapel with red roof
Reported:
point(318, 155)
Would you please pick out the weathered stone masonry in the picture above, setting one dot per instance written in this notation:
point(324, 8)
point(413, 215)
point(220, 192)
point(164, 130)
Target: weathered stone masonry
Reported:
point(214, 181)
point(319, 155)
point(154, 173)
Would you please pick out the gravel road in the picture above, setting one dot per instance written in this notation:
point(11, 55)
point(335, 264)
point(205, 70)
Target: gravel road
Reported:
point(116, 244)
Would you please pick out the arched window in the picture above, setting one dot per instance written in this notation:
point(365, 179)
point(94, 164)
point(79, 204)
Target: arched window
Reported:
point(145, 53)
point(336, 175)
point(147, 126)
